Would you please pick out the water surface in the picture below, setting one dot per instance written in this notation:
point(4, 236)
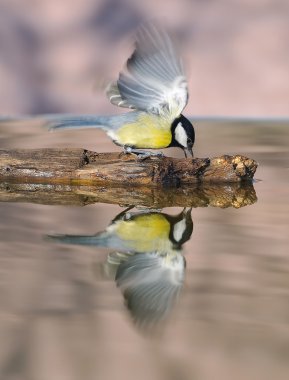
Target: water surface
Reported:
point(209, 303)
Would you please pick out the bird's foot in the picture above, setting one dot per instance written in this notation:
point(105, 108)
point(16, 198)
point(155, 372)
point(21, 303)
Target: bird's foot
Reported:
point(142, 154)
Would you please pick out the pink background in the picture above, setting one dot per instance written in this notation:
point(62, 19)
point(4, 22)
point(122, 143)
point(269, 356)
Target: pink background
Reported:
point(58, 56)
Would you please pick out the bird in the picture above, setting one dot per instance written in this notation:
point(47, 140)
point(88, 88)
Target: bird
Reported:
point(138, 232)
point(147, 259)
point(154, 87)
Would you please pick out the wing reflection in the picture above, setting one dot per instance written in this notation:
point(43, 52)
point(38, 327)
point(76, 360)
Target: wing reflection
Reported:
point(150, 283)
point(147, 259)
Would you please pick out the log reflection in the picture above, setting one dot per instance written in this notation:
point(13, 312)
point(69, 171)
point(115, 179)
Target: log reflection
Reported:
point(217, 195)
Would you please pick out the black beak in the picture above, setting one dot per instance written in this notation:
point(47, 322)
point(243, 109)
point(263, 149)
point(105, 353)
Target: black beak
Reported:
point(190, 150)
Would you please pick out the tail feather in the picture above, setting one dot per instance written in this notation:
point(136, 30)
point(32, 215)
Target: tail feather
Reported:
point(70, 121)
point(102, 239)
point(76, 121)
point(61, 121)
point(94, 240)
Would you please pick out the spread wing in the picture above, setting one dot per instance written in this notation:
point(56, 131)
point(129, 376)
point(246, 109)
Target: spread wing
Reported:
point(150, 286)
point(154, 80)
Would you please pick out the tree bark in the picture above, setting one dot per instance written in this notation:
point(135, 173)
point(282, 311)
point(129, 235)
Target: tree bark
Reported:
point(82, 167)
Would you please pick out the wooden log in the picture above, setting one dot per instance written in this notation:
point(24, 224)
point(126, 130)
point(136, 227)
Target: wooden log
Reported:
point(79, 166)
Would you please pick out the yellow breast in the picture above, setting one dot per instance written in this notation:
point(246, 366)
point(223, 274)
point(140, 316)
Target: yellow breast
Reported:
point(145, 233)
point(150, 132)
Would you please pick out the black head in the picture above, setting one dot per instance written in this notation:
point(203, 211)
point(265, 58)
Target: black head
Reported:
point(183, 134)
point(181, 227)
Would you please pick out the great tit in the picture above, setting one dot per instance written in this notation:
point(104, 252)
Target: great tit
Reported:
point(139, 232)
point(154, 86)
point(147, 260)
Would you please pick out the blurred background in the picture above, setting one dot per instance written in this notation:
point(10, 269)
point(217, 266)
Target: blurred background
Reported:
point(58, 56)
point(60, 317)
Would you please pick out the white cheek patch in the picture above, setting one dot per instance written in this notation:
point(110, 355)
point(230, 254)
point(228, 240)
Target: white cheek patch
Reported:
point(179, 229)
point(180, 135)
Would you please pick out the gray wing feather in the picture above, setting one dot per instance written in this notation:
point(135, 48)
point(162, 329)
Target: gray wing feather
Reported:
point(154, 80)
point(115, 98)
point(149, 287)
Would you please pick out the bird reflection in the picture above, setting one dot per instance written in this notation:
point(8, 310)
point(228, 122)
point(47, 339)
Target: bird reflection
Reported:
point(147, 257)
